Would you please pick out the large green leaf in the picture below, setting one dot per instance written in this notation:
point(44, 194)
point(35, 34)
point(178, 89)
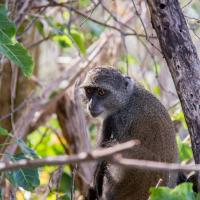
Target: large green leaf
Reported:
point(10, 47)
point(7, 28)
point(18, 55)
point(28, 178)
point(181, 192)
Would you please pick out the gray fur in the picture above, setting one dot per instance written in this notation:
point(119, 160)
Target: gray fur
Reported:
point(132, 113)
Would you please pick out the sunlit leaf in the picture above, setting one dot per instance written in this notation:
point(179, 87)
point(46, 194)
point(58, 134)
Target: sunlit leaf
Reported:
point(185, 151)
point(48, 145)
point(79, 40)
point(156, 90)
point(40, 27)
point(180, 117)
point(63, 40)
point(181, 192)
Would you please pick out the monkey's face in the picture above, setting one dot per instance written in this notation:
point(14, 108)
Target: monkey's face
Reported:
point(97, 101)
point(106, 91)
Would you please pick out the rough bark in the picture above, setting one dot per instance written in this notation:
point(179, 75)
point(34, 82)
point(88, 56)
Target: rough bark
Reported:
point(183, 62)
point(13, 85)
point(73, 125)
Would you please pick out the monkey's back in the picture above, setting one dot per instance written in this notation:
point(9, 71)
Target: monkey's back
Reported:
point(143, 118)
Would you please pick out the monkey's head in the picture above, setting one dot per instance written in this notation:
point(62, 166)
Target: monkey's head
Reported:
point(106, 91)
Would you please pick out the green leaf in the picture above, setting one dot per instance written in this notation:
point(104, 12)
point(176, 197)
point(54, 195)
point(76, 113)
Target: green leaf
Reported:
point(160, 193)
point(180, 117)
point(183, 191)
point(79, 40)
point(7, 28)
point(28, 178)
point(10, 47)
point(156, 90)
point(28, 152)
point(66, 196)
point(185, 151)
point(63, 40)
point(18, 55)
point(66, 182)
point(4, 132)
point(84, 3)
point(40, 27)
point(131, 59)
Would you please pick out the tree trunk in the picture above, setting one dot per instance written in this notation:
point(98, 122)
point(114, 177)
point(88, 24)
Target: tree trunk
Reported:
point(183, 62)
point(73, 125)
point(14, 87)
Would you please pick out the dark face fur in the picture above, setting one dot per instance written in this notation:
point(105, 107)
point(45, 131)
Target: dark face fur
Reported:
point(97, 100)
point(106, 90)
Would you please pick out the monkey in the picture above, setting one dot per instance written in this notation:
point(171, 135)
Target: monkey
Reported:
point(129, 112)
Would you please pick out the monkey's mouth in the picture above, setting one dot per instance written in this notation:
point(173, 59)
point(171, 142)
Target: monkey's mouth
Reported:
point(96, 113)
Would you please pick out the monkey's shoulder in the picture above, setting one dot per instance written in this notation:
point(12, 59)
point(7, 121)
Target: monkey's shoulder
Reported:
point(143, 113)
point(143, 104)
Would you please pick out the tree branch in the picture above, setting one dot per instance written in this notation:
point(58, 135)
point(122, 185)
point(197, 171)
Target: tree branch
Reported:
point(111, 154)
point(98, 154)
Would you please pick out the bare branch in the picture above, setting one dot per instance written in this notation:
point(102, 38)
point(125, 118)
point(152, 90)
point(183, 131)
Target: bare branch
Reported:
point(64, 159)
point(111, 154)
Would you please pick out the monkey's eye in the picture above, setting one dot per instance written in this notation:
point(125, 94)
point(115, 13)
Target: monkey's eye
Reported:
point(88, 90)
point(101, 92)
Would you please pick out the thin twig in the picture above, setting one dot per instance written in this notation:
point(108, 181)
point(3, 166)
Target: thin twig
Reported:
point(137, 13)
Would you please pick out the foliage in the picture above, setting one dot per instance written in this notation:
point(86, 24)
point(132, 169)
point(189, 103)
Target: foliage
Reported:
point(184, 148)
point(71, 34)
point(183, 191)
point(44, 140)
point(28, 178)
point(10, 47)
point(66, 37)
point(3, 132)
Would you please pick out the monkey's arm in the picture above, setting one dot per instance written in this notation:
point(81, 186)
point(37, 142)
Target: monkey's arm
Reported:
point(95, 191)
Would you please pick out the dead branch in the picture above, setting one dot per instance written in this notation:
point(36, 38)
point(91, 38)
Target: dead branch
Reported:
point(98, 154)
point(111, 154)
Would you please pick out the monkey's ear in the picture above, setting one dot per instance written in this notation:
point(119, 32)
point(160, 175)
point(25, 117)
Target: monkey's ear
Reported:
point(129, 83)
